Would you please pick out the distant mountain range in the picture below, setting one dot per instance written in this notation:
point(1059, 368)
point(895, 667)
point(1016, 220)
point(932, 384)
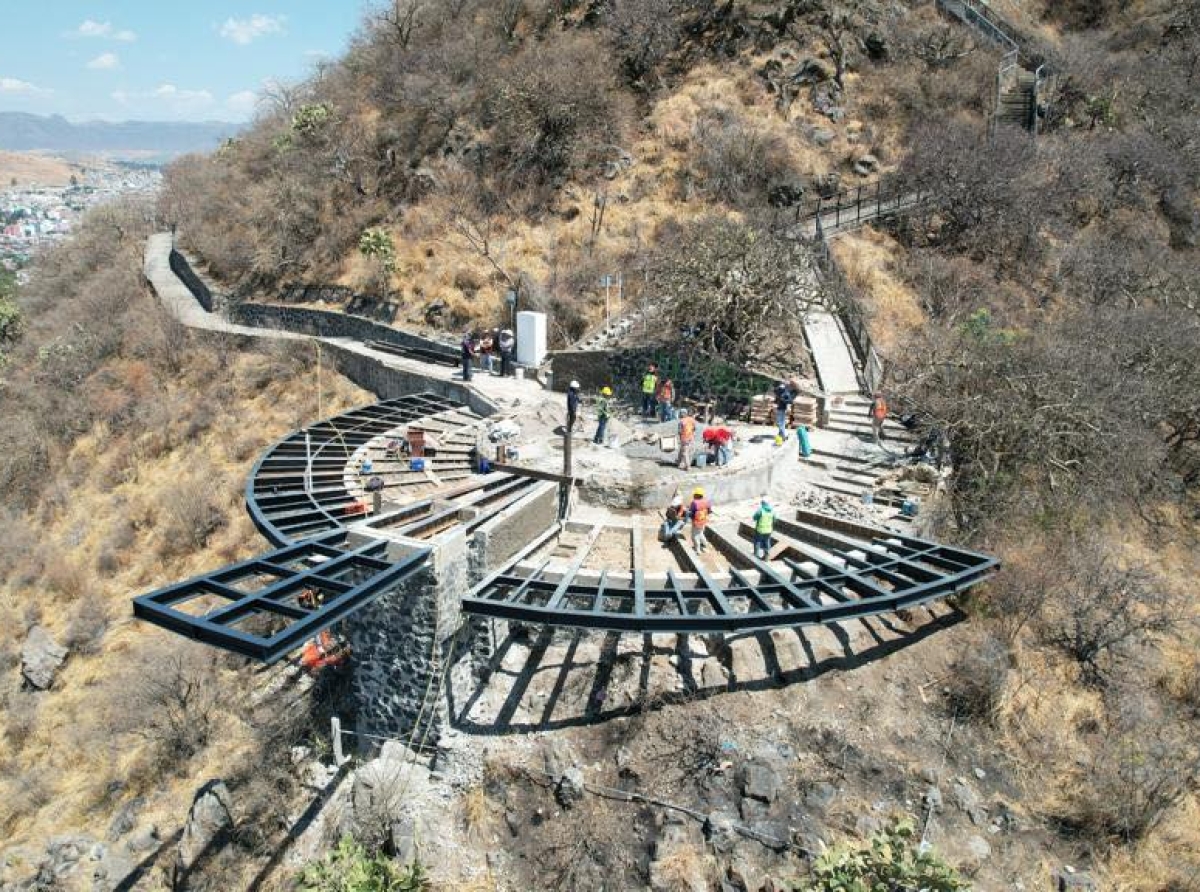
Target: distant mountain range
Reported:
point(21, 132)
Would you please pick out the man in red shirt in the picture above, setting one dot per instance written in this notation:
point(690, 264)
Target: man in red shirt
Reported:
point(719, 440)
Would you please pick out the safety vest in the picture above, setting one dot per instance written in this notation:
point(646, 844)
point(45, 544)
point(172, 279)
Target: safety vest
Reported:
point(764, 521)
point(602, 410)
point(649, 383)
point(879, 410)
point(687, 429)
point(700, 510)
point(666, 393)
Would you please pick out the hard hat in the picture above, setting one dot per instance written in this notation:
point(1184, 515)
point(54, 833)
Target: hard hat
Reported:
point(606, 391)
point(677, 501)
point(698, 492)
point(574, 385)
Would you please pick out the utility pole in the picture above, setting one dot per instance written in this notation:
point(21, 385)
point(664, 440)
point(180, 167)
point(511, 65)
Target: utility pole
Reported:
point(607, 309)
point(564, 492)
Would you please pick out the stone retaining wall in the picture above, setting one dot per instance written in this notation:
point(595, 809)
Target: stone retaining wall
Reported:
point(183, 270)
point(695, 376)
point(328, 324)
point(388, 382)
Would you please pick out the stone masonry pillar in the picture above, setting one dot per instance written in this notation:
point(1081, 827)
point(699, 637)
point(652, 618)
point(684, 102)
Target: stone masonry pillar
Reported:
point(403, 644)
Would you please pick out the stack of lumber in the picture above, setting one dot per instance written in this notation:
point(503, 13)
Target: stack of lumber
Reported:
point(762, 410)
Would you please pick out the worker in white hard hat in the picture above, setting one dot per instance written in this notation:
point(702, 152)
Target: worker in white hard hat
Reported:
point(572, 406)
point(675, 522)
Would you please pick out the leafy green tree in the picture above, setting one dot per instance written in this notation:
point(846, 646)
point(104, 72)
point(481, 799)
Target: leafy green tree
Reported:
point(376, 244)
point(311, 119)
point(892, 861)
point(351, 868)
point(11, 322)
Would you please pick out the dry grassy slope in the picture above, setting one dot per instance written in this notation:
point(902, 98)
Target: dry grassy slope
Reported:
point(436, 263)
point(32, 168)
point(71, 755)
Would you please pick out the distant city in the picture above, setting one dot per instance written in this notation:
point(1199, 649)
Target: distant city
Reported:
point(33, 216)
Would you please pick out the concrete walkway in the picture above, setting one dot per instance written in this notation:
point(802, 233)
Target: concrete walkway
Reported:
point(182, 305)
point(831, 353)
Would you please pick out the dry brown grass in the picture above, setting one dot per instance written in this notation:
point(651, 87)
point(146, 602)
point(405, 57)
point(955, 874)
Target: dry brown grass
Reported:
point(69, 762)
point(35, 169)
point(868, 258)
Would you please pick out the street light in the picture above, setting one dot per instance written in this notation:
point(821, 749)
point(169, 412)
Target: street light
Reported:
point(510, 298)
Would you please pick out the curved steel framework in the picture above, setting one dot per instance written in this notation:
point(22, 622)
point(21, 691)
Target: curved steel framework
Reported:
point(823, 570)
point(302, 494)
point(298, 488)
point(306, 491)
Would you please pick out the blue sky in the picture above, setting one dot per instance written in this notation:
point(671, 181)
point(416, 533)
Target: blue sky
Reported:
point(161, 59)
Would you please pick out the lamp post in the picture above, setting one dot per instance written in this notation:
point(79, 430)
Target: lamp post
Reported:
point(510, 298)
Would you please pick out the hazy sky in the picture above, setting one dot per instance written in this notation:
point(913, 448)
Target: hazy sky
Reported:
point(161, 59)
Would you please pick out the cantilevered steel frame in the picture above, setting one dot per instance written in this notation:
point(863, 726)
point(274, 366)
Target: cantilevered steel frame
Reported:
point(307, 587)
point(838, 577)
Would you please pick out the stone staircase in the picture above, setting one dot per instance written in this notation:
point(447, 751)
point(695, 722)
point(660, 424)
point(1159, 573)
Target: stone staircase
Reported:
point(1017, 104)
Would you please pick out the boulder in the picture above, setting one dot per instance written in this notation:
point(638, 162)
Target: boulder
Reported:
point(761, 781)
point(866, 165)
point(209, 821)
point(979, 850)
point(125, 818)
point(41, 658)
point(570, 789)
point(821, 136)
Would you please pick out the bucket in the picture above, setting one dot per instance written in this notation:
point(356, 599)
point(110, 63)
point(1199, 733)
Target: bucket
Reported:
point(868, 498)
point(416, 464)
point(701, 460)
point(519, 373)
point(367, 466)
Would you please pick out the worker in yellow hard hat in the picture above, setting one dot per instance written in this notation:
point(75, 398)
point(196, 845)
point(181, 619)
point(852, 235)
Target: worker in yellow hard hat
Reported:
point(699, 511)
point(603, 411)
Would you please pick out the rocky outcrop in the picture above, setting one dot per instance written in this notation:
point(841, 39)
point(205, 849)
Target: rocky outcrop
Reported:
point(209, 822)
point(41, 658)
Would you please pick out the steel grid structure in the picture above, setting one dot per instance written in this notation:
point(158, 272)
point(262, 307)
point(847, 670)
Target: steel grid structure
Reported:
point(297, 496)
point(297, 488)
point(822, 570)
point(822, 576)
point(269, 605)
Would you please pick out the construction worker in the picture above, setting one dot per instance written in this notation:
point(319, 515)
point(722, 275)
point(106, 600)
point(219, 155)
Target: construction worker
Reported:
point(507, 345)
point(879, 414)
point(468, 353)
point(649, 389)
point(666, 400)
point(783, 402)
point(699, 512)
point(719, 441)
point(687, 438)
point(676, 518)
point(572, 405)
point(805, 443)
point(603, 411)
point(764, 525)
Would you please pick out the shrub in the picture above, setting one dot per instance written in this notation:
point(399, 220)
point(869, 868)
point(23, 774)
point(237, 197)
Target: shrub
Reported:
point(1100, 610)
point(737, 161)
point(892, 859)
point(1142, 763)
point(174, 707)
point(351, 868)
point(190, 513)
point(980, 676)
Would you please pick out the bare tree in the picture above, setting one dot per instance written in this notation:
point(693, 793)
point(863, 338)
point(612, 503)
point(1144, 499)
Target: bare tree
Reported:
point(733, 289)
